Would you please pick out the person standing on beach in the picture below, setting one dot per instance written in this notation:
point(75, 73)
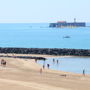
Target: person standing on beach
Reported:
point(40, 70)
point(53, 60)
point(83, 72)
point(43, 66)
point(48, 65)
point(57, 61)
point(36, 60)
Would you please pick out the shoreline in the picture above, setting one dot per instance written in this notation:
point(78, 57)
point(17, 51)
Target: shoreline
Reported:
point(24, 74)
point(42, 56)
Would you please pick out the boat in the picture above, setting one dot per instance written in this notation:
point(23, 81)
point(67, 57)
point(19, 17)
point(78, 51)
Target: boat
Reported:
point(66, 37)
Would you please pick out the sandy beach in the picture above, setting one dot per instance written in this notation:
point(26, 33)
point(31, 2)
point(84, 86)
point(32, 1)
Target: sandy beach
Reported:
point(25, 74)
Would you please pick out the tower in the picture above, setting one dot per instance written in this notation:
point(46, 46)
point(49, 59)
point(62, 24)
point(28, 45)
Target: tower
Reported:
point(74, 20)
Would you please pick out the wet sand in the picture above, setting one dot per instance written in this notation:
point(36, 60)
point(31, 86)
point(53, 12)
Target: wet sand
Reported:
point(25, 74)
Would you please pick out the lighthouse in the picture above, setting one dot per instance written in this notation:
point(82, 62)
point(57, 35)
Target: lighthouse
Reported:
point(74, 20)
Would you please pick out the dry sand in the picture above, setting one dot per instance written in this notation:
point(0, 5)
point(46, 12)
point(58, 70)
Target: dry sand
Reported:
point(24, 74)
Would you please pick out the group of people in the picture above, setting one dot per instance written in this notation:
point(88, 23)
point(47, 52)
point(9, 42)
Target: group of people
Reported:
point(48, 65)
point(56, 61)
point(3, 62)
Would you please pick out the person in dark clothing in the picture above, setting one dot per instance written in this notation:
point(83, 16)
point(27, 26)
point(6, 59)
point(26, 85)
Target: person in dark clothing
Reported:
point(57, 61)
point(83, 72)
point(48, 65)
point(53, 60)
point(36, 60)
point(43, 66)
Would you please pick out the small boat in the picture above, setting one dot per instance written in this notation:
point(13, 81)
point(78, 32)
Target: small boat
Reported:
point(66, 37)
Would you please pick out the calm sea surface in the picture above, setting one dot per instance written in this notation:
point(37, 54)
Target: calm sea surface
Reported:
point(41, 36)
point(69, 64)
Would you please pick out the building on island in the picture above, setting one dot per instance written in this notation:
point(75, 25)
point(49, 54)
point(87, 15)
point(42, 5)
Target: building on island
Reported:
point(61, 24)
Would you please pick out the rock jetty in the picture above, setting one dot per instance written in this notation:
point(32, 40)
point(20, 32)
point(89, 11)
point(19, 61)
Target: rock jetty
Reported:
point(47, 51)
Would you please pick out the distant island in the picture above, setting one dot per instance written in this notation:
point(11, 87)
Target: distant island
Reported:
point(61, 24)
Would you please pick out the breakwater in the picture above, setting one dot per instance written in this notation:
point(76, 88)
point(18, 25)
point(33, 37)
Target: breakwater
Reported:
point(24, 57)
point(47, 51)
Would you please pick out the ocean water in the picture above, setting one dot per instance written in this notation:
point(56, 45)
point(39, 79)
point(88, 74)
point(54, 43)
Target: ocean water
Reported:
point(39, 35)
point(68, 64)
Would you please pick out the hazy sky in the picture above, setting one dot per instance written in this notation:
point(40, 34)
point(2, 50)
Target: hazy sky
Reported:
point(44, 10)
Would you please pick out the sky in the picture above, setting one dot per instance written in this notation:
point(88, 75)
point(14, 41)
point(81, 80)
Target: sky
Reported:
point(37, 11)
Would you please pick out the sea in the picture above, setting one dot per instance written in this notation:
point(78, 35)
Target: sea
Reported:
point(40, 35)
point(68, 64)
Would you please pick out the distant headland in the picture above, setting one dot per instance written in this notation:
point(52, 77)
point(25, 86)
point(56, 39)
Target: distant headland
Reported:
point(61, 24)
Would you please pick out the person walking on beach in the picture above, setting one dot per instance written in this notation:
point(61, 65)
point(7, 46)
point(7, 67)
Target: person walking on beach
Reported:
point(53, 60)
point(83, 72)
point(43, 66)
point(40, 70)
point(57, 61)
point(48, 65)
